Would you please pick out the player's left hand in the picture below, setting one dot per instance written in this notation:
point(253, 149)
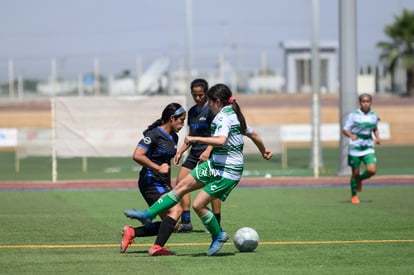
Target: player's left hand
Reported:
point(267, 155)
point(188, 139)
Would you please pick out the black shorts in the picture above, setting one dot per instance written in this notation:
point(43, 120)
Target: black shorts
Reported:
point(152, 190)
point(191, 161)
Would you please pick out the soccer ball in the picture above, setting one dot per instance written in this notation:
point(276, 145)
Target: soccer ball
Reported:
point(246, 239)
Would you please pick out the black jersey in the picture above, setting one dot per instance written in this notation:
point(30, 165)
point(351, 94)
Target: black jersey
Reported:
point(161, 148)
point(199, 123)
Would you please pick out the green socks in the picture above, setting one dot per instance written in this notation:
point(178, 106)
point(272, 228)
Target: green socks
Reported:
point(163, 204)
point(354, 184)
point(364, 175)
point(211, 223)
point(171, 199)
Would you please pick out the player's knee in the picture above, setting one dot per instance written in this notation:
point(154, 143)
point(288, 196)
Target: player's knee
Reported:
point(195, 206)
point(372, 170)
point(355, 173)
point(198, 208)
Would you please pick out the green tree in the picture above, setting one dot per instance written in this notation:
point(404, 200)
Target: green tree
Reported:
point(400, 50)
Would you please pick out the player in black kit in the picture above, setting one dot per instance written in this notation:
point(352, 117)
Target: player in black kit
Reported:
point(154, 153)
point(199, 120)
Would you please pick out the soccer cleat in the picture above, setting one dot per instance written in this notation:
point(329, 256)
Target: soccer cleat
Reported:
point(355, 199)
point(184, 227)
point(359, 185)
point(217, 243)
point(157, 250)
point(128, 234)
point(142, 216)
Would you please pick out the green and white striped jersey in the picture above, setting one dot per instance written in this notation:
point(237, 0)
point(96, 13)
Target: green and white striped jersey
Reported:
point(362, 125)
point(228, 159)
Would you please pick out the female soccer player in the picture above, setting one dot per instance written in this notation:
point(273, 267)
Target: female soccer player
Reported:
point(154, 153)
point(199, 119)
point(219, 175)
point(359, 127)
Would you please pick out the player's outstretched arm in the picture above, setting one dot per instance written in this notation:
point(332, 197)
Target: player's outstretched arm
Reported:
point(257, 140)
point(180, 153)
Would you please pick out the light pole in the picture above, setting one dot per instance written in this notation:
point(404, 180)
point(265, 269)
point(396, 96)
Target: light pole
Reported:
point(348, 74)
point(316, 139)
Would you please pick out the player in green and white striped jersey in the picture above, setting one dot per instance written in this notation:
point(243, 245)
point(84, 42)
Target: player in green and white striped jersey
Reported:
point(359, 127)
point(220, 174)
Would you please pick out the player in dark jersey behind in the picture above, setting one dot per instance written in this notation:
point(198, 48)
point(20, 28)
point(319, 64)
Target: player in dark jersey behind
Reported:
point(199, 120)
point(154, 153)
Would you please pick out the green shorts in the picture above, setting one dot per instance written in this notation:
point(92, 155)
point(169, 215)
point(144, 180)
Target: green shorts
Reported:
point(355, 162)
point(214, 184)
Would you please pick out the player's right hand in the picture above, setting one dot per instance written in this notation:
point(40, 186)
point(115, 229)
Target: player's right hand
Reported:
point(177, 158)
point(164, 168)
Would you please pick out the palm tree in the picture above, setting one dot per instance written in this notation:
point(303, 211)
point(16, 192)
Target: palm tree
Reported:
point(400, 50)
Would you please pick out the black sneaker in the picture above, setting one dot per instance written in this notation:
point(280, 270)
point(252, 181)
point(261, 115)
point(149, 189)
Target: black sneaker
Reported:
point(184, 227)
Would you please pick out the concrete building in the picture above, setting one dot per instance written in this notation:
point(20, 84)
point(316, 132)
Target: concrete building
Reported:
point(297, 66)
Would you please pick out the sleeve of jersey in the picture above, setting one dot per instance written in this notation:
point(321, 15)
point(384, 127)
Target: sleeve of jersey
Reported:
point(249, 130)
point(349, 122)
point(147, 140)
point(376, 122)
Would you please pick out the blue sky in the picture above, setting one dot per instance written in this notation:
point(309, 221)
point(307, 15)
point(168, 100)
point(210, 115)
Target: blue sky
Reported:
point(76, 31)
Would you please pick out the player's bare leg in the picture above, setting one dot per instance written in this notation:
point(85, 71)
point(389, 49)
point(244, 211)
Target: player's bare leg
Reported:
point(185, 202)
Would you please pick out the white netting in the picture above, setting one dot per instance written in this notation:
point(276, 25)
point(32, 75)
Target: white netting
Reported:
point(106, 126)
point(111, 127)
point(96, 126)
point(34, 142)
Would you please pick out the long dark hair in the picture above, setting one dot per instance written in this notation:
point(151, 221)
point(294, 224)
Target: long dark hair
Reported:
point(174, 109)
point(224, 94)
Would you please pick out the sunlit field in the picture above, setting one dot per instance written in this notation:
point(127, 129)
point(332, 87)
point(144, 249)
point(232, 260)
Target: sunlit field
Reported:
point(302, 231)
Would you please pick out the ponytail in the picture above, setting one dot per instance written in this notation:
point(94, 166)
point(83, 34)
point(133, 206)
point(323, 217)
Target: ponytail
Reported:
point(240, 116)
point(155, 124)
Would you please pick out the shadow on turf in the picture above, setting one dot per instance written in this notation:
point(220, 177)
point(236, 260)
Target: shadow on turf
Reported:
point(193, 231)
point(187, 255)
point(361, 201)
point(203, 254)
point(137, 252)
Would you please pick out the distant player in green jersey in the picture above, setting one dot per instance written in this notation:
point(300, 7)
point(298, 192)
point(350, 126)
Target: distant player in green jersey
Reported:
point(359, 127)
point(217, 176)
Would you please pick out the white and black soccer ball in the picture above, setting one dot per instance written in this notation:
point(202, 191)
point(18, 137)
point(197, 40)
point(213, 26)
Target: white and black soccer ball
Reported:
point(246, 239)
